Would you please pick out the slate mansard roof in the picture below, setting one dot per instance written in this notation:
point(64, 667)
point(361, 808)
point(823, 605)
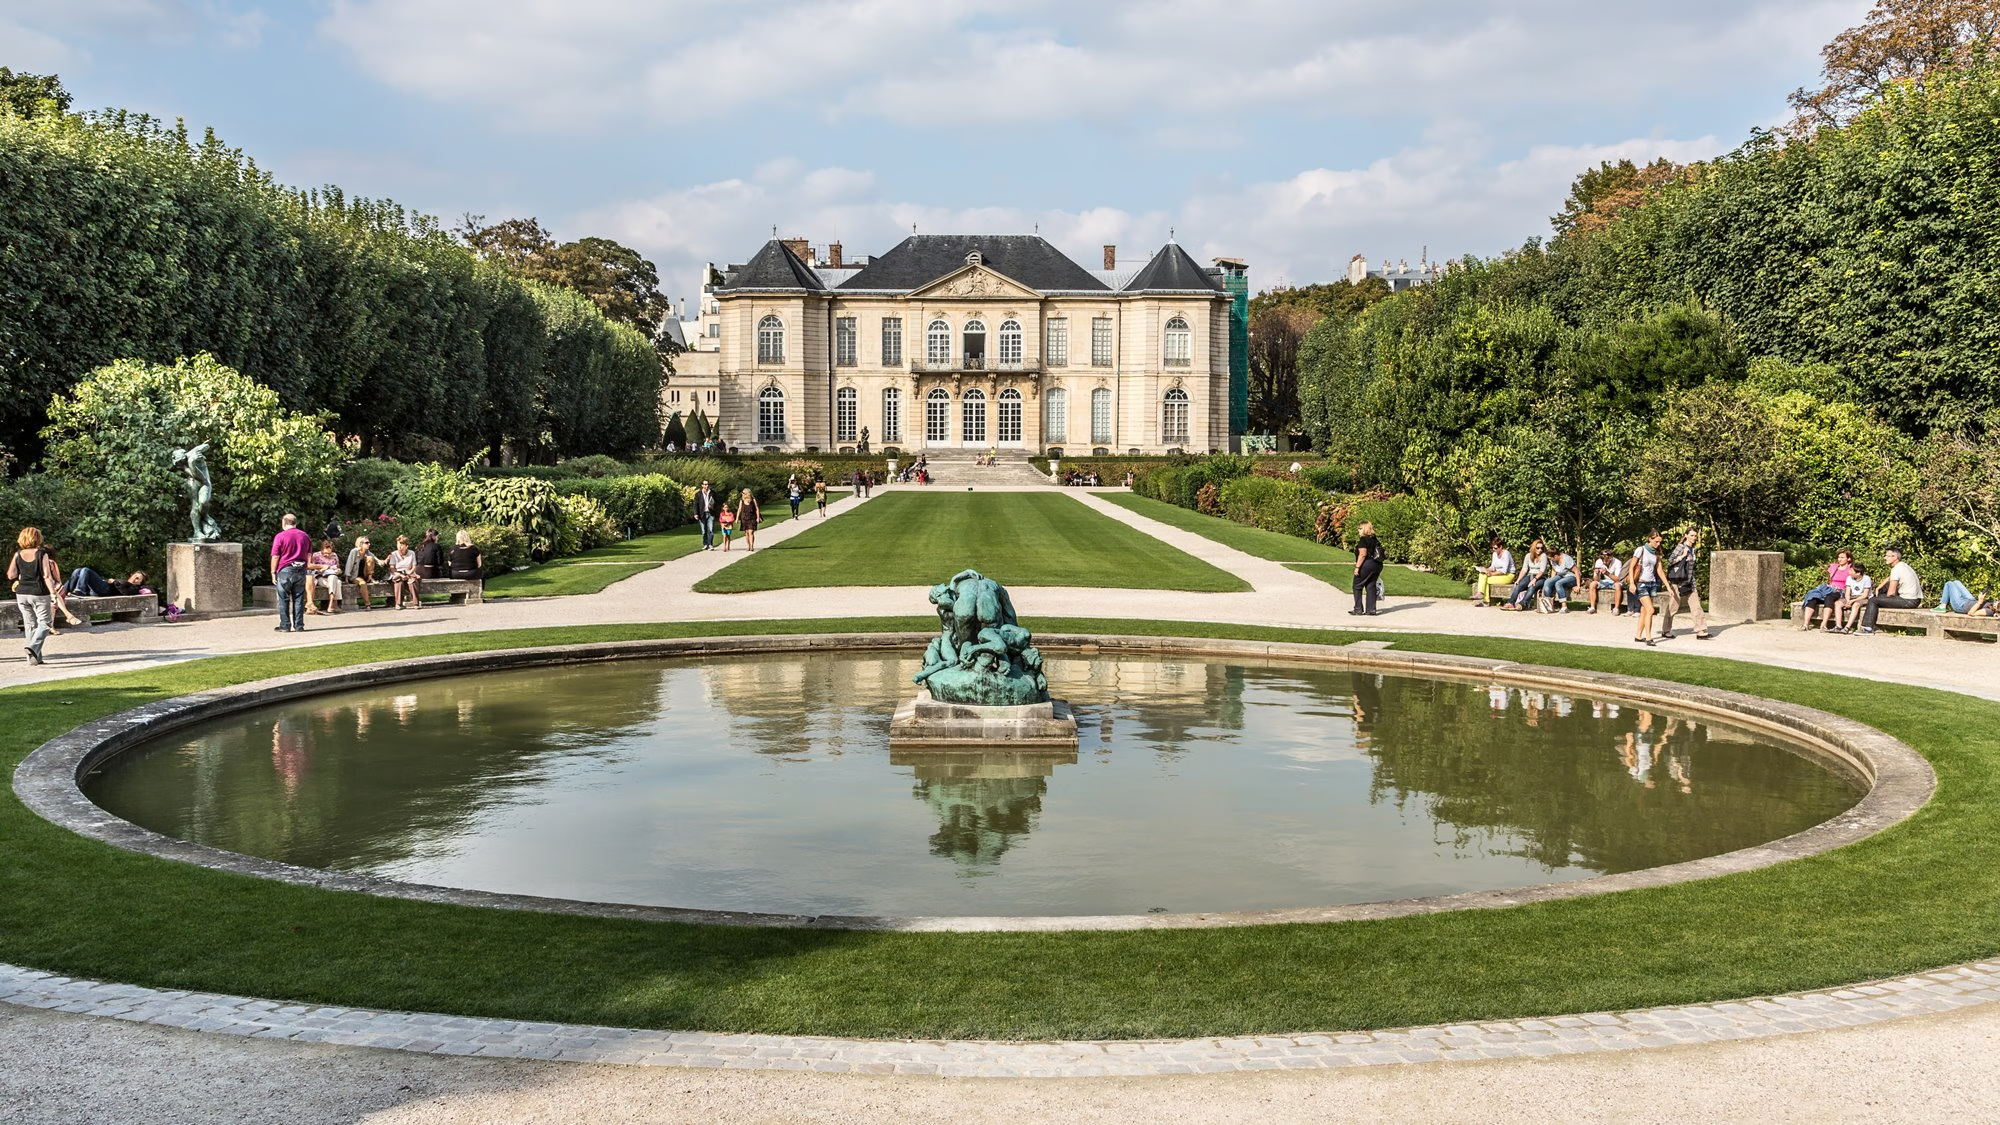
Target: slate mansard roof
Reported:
point(924, 258)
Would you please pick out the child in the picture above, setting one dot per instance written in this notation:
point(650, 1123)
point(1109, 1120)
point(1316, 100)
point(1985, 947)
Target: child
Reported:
point(1855, 599)
point(728, 521)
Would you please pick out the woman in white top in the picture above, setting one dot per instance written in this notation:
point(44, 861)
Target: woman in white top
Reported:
point(1534, 570)
point(1497, 573)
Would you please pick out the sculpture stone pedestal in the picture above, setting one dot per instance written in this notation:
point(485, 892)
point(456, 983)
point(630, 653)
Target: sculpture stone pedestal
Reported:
point(1746, 585)
point(205, 578)
point(924, 721)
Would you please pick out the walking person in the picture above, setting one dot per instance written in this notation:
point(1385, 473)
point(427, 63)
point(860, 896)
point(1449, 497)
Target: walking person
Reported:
point(1683, 563)
point(1367, 571)
point(728, 521)
point(1902, 589)
point(706, 506)
point(289, 551)
point(748, 516)
point(35, 578)
point(794, 492)
point(1648, 582)
point(819, 497)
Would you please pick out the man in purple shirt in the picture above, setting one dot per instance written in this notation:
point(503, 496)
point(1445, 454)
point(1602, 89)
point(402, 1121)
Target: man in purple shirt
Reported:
point(289, 551)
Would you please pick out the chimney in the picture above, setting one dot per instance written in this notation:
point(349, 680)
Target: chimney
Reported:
point(800, 247)
point(833, 254)
point(1111, 257)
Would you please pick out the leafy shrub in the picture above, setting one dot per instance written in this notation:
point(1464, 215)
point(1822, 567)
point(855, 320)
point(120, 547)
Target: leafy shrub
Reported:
point(368, 486)
point(1283, 506)
point(1209, 500)
point(501, 549)
point(596, 465)
point(1440, 540)
point(1396, 521)
point(584, 526)
point(538, 472)
point(455, 496)
point(1329, 478)
point(639, 504)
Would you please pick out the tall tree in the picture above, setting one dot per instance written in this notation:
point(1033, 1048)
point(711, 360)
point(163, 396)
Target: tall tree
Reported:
point(31, 95)
point(1900, 43)
point(1598, 195)
point(623, 285)
point(1275, 336)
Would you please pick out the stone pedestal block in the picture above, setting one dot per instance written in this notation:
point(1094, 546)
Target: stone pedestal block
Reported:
point(926, 722)
point(1746, 585)
point(205, 577)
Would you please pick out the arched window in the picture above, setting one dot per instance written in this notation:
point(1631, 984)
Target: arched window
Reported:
point(937, 415)
point(937, 344)
point(972, 427)
point(1055, 415)
point(846, 414)
point(892, 414)
point(1174, 418)
point(771, 414)
point(1100, 415)
point(1010, 343)
point(770, 340)
point(1009, 422)
point(1180, 343)
point(975, 344)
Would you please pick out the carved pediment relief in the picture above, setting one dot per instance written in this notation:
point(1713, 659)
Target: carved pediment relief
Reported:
point(976, 281)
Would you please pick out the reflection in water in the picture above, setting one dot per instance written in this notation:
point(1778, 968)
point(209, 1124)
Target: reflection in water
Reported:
point(982, 801)
point(767, 784)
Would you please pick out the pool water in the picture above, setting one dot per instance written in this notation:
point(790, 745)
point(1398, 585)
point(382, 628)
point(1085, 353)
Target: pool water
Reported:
point(767, 784)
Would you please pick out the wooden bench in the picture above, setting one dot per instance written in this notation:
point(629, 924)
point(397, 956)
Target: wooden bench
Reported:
point(135, 608)
point(461, 591)
point(1933, 623)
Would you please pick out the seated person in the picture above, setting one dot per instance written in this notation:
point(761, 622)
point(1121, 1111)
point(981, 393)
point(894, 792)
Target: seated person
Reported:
point(403, 579)
point(1497, 574)
point(1607, 576)
point(1902, 589)
point(1828, 595)
point(1561, 580)
point(323, 569)
point(1534, 571)
point(360, 569)
point(465, 561)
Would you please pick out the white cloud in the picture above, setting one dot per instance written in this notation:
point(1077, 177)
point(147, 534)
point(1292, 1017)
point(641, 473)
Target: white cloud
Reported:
point(1446, 195)
point(951, 62)
point(38, 35)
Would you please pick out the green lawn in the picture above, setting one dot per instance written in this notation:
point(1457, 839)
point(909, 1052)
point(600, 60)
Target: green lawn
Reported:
point(592, 571)
point(1018, 538)
point(1328, 564)
point(1922, 894)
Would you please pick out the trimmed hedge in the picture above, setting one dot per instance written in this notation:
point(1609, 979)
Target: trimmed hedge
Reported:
point(1284, 506)
point(636, 505)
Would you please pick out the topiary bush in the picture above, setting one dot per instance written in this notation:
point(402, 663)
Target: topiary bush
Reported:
point(1283, 506)
point(596, 465)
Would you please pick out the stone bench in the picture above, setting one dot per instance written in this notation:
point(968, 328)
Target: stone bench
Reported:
point(1933, 623)
point(136, 608)
point(461, 591)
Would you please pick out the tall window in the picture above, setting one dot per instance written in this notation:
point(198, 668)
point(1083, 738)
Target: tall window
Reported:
point(770, 340)
point(937, 345)
point(972, 428)
point(1009, 423)
point(771, 414)
point(1010, 343)
point(1174, 418)
point(1100, 415)
point(846, 414)
point(975, 343)
point(892, 341)
point(1055, 411)
point(892, 414)
point(845, 346)
point(1180, 344)
point(937, 416)
point(1100, 341)
point(1057, 352)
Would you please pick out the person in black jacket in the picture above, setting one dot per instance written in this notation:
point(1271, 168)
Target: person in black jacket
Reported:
point(707, 505)
point(465, 559)
point(430, 557)
point(1367, 569)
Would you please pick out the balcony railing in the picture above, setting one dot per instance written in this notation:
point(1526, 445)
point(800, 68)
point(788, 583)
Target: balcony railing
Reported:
point(979, 364)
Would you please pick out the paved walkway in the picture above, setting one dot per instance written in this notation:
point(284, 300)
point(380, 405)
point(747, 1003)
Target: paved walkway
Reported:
point(1830, 1074)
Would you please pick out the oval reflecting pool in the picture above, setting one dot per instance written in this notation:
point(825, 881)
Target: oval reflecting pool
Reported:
point(767, 784)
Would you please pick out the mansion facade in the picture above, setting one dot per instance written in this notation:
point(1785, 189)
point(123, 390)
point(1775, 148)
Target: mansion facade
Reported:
point(971, 342)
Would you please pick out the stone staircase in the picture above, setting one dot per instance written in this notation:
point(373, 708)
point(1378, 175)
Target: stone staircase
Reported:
point(955, 467)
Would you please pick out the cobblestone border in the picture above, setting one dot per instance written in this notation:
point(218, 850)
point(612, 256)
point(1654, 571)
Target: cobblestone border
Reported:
point(1857, 1005)
point(1900, 781)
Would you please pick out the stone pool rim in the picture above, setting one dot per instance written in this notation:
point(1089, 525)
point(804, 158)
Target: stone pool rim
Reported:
point(1898, 780)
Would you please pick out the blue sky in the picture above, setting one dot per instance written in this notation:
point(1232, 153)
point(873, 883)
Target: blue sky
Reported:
point(1291, 133)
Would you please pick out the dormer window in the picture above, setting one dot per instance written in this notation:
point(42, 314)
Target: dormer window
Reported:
point(975, 259)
